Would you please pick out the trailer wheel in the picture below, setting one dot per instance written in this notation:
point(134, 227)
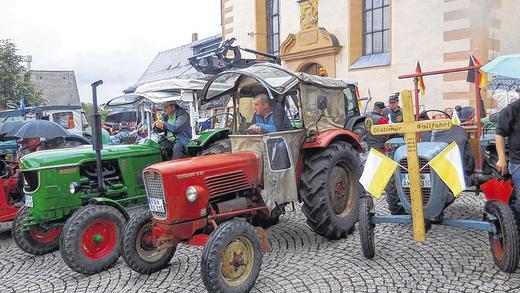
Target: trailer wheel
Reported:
point(392, 198)
point(92, 238)
point(139, 251)
point(504, 243)
point(232, 258)
point(366, 228)
point(330, 191)
point(37, 240)
point(217, 147)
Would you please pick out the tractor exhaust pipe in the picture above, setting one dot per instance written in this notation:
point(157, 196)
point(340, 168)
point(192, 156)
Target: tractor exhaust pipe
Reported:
point(97, 143)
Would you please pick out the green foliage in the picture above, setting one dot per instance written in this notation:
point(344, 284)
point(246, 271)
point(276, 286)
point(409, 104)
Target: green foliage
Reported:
point(89, 109)
point(14, 78)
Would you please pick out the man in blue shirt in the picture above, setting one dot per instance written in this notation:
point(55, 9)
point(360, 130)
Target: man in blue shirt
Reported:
point(175, 122)
point(265, 119)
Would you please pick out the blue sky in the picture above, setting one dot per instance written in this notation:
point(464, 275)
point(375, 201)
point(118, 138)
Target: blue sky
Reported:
point(111, 40)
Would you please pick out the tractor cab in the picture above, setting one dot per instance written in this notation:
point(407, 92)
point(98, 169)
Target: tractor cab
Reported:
point(326, 104)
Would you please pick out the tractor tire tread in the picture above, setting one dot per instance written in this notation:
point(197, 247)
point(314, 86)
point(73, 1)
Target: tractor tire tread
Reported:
point(313, 191)
point(70, 238)
point(21, 238)
point(130, 255)
point(213, 250)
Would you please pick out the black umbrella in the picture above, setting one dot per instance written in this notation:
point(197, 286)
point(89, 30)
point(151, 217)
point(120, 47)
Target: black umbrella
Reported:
point(41, 128)
point(9, 129)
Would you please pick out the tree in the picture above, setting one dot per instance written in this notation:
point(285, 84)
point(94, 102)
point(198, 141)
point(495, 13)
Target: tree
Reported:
point(89, 110)
point(15, 78)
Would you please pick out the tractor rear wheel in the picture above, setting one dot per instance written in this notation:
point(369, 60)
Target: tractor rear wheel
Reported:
point(232, 258)
point(392, 198)
point(37, 240)
point(92, 238)
point(217, 147)
point(330, 191)
point(504, 243)
point(139, 251)
point(366, 227)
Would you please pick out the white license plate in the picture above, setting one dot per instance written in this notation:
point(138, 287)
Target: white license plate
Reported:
point(156, 205)
point(29, 201)
point(425, 180)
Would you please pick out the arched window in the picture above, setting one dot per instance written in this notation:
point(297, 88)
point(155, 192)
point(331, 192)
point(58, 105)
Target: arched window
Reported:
point(314, 69)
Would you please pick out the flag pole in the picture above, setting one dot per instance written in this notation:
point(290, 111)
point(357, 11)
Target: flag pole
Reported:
point(479, 122)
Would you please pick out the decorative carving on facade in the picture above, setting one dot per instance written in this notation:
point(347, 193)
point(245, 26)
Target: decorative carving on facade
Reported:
point(308, 14)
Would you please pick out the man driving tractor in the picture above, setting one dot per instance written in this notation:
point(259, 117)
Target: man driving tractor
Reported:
point(266, 119)
point(175, 122)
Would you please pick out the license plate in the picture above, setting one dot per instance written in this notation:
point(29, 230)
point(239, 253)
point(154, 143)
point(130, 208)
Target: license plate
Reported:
point(29, 201)
point(156, 205)
point(425, 180)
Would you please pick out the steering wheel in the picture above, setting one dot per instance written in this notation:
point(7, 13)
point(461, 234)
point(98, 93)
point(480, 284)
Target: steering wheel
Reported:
point(228, 121)
point(430, 117)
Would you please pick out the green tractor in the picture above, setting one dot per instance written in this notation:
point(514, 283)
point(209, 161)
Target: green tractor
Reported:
point(78, 199)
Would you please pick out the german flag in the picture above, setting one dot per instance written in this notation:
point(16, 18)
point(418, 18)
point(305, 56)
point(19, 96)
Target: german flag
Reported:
point(420, 79)
point(482, 81)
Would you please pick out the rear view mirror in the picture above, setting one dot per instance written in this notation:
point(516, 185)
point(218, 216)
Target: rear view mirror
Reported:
point(322, 102)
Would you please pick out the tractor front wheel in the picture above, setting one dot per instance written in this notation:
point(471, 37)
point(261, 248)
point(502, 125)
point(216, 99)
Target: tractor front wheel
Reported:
point(330, 191)
point(37, 240)
point(392, 198)
point(504, 243)
point(92, 238)
point(139, 251)
point(366, 227)
point(232, 258)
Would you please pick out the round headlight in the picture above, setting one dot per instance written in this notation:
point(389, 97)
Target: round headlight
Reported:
point(73, 188)
point(191, 194)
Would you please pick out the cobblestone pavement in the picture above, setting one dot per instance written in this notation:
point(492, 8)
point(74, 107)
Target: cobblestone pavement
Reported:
point(452, 260)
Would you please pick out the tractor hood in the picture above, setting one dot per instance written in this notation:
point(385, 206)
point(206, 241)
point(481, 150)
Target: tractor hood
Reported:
point(79, 155)
point(426, 150)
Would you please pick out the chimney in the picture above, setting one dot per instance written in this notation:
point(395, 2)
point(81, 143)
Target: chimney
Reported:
point(194, 37)
point(28, 60)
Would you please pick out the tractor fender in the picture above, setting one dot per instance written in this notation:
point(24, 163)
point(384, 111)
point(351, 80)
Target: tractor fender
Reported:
point(215, 135)
point(204, 140)
point(355, 120)
point(112, 203)
point(324, 138)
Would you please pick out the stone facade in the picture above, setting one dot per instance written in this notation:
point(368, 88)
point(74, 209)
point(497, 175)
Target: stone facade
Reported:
point(440, 34)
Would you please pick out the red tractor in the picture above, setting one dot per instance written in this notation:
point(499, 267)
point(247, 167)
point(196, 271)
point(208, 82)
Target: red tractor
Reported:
point(10, 191)
point(216, 200)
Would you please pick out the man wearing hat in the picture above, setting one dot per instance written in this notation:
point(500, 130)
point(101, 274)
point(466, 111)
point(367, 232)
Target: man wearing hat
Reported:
point(394, 112)
point(175, 122)
point(376, 118)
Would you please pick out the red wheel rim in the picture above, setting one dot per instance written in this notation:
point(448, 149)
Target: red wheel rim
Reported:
point(98, 239)
point(498, 250)
point(44, 236)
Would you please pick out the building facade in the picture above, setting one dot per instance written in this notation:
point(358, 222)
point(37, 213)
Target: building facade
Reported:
point(58, 87)
point(375, 41)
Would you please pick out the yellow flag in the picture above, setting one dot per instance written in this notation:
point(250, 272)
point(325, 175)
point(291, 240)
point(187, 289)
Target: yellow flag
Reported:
point(483, 80)
point(455, 118)
point(448, 165)
point(378, 171)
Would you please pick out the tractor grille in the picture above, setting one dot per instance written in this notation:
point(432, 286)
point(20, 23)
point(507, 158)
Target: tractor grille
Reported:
point(155, 190)
point(426, 191)
point(226, 183)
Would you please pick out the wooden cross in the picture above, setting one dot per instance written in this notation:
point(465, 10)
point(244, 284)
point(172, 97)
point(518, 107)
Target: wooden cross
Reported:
point(410, 128)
